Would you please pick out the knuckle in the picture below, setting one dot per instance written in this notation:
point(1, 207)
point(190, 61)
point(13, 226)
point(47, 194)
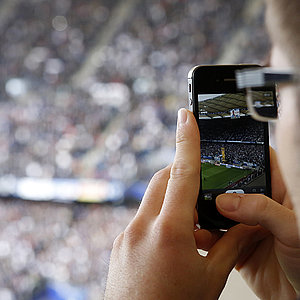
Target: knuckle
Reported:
point(167, 234)
point(133, 233)
point(263, 208)
point(118, 241)
point(161, 174)
point(252, 208)
point(181, 137)
point(163, 228)
point(181, 169)
point(262, 203)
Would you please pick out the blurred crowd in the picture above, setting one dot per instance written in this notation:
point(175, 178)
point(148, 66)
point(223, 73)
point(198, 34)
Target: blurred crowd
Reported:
point(113, 125)
point(116, 123)
point(57, 243)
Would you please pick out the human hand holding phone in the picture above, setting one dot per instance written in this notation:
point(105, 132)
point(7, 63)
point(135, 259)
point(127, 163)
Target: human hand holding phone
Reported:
point(272, 266)
point(156, 256)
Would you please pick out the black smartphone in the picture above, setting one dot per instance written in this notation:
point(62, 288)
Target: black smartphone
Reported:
point(234, 147)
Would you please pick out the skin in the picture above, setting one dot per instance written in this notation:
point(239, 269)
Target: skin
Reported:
point(275, 261)
point(156, 256)
point(287, 131)
point(272, 266)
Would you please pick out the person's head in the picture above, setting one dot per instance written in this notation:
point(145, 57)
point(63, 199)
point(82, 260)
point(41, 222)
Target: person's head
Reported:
point(283, 23)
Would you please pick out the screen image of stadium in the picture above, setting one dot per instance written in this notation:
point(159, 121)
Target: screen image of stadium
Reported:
point(232, 146)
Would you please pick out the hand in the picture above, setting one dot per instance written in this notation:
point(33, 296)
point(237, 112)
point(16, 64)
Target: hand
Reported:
point(272, 266)
point(156, 256)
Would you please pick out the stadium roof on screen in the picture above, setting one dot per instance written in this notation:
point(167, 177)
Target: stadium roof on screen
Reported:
point(221, 105)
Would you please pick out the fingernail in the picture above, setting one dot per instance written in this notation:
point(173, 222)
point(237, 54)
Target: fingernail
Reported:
point(228, 202)
point(182, 116)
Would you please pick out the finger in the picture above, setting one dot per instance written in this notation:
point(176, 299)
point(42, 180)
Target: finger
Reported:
point(195, 217)
point(154, 195)
point(183, 185)
point(206, 239)
point(234, 244)
point(253, 209)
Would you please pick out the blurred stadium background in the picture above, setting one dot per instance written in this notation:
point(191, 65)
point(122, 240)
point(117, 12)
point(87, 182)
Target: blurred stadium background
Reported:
point(89, 93)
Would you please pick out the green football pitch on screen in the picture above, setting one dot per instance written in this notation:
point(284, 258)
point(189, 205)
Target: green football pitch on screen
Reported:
point(220, 177)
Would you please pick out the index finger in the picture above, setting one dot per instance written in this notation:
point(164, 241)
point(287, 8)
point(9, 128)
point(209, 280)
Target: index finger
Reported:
point(183, 186)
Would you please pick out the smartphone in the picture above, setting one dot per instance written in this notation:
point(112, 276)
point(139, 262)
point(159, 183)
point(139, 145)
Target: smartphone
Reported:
point(234, 147)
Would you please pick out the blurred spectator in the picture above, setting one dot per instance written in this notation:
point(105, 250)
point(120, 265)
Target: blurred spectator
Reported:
point(119, 124)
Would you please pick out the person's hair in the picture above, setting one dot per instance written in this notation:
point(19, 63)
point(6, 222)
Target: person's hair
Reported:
point(283, 23)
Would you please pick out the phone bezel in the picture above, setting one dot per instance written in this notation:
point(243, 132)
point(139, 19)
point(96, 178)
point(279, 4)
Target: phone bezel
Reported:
point(214, 79)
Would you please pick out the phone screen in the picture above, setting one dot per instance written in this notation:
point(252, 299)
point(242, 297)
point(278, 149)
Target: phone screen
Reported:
point(233, 149)
point(234, 152)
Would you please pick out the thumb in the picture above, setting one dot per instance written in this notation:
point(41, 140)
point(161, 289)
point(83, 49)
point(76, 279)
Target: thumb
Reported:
point(234, 246)
point(254, 209)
